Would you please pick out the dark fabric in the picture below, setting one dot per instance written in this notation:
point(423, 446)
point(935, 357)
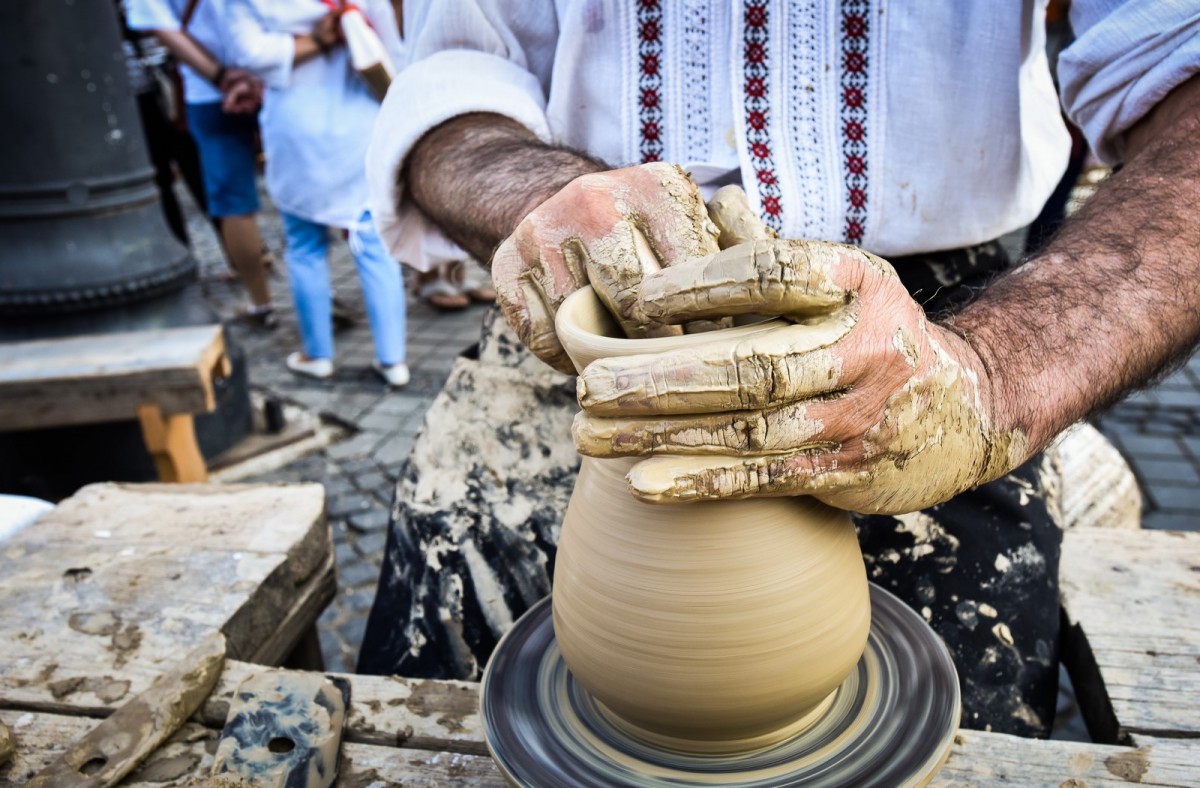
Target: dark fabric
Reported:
point(942, 282)
point(167, 146)
point(982, 568)
point(228, 148)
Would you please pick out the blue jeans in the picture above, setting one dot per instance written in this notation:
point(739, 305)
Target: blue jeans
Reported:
point(383, 289)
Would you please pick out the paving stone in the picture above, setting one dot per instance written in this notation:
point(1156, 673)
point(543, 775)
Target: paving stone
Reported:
point(382, 421)
point(352, 631)
point(359, 465)
point(359, 445)
point(400, 403)
point(396, 450)
point(1192, 444)
point(1172, 521)
point(371, 544)
point(1137, 445)
point(357, 573)
point(336, 486)
point(348, 504)
point(1185, 398)
point(1171, 472)
point(345, 554)
point(1173, 497)
point(372, 481)
point(340, 532)
point(360, 601)
point(374, 519)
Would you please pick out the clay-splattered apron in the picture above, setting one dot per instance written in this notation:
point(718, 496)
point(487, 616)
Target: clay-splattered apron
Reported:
point(477, 512)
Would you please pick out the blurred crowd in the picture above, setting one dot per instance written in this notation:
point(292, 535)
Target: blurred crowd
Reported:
point(231, 89)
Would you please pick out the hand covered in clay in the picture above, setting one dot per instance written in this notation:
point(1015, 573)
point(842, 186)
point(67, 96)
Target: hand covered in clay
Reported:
point(853, 397)
point(610, 229)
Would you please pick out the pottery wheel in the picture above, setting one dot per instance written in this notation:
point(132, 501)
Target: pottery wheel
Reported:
point(891, 721)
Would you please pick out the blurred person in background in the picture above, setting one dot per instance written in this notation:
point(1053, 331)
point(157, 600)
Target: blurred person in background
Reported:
point(316, 122)
point(193, 32)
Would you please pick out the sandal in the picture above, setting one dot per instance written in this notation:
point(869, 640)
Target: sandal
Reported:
point(259, 316)
point(475, 282)
point(442, 295)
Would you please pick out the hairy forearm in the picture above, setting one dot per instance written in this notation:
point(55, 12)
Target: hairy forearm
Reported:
point(476, 176)
point(1114, 300)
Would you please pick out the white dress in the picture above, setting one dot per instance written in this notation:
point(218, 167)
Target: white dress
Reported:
point(317, 116)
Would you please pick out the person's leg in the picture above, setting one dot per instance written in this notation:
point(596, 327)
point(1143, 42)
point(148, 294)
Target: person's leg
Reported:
point(243, 244)
point(226, 146)
point(982, 569)
point(383, 292)
point(306, 247)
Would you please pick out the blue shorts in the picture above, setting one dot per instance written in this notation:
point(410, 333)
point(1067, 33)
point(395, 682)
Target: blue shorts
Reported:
point(227, 149)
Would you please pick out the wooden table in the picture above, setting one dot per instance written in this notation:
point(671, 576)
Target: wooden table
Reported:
point(1132, 599)
point(160, 377)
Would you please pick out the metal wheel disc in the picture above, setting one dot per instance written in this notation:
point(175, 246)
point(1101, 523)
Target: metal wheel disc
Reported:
point(890, 723)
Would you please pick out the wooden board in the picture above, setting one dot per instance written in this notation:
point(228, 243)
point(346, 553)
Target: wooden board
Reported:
point(978, 759)
point(1132, 638)
point(988, 759)
point(41, 737)
point(105, 377)
point(104, 592)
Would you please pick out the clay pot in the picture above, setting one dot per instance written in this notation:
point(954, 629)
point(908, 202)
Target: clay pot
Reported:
point(711, 627)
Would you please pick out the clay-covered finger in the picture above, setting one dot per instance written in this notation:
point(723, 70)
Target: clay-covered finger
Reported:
point(667, 207)
point(521, 301)
point(782, 364)
point(737, 222)
point(685, 479)
point(758, 432)
point(777, 277)
point(616, 265)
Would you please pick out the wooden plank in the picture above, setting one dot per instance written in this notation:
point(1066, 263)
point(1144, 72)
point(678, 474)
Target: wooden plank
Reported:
point(105, 377)
point(104, 592)
point(386, 710)
point(978, 759)
point(988, 759)
point(42, 737)
point(1132, 634)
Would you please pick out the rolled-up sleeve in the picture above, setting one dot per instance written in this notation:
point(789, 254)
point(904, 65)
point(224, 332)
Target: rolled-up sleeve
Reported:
point(1127, 56)
point(268, 54)
point(466, 57)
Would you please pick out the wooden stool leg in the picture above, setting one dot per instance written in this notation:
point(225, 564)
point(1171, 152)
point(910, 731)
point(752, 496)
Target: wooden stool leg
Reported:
point(171, 441)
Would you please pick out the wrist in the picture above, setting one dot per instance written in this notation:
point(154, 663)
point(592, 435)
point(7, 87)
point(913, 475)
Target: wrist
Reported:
point(1008, 389)
point(219, 75)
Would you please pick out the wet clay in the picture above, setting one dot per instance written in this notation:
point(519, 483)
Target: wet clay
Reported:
point(7, 746)
point(713, 627)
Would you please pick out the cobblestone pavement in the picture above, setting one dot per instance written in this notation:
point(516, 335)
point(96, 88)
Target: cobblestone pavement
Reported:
point(1158, 430)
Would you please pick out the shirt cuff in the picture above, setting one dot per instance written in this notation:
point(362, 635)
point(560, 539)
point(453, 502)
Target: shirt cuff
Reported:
point(424, 95)
point(1120, 68)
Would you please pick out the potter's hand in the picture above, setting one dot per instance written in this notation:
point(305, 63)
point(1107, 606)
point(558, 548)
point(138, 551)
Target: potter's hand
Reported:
point(855, 398)
point(609, 228)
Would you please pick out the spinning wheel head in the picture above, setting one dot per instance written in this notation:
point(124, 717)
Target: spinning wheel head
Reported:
point(891, 722)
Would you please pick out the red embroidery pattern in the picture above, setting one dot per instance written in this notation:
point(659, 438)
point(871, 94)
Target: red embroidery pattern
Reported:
point(650, 50)
point(855, 28)
point(756, 93)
